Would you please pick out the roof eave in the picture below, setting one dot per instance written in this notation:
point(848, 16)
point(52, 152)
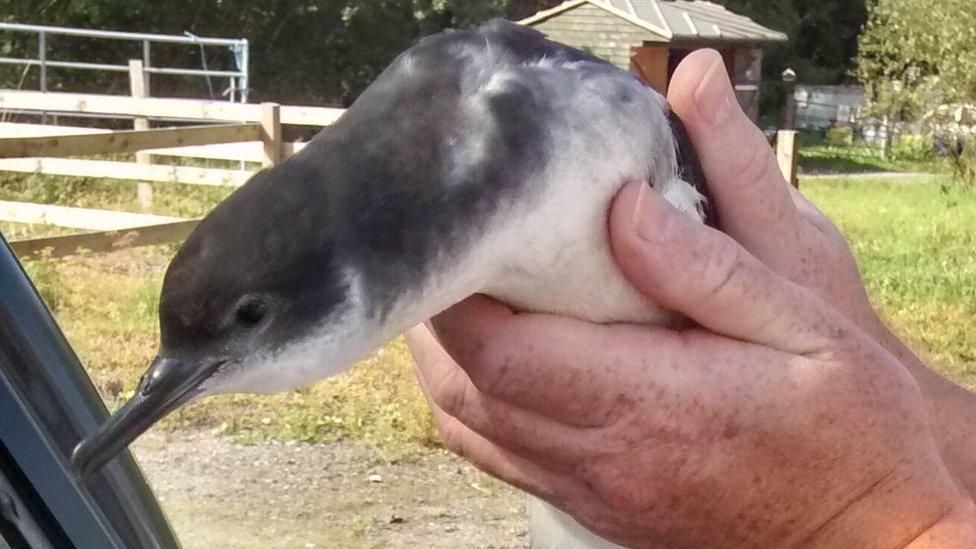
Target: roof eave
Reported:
point(566, 6)
point(771, 38)
point(698, 39)
point(551, 12)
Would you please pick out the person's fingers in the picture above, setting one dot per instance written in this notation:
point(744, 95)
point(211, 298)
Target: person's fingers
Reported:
point(521, 431)
point(810, 213)
point(522, 473)
point(751, 196)
point(707, 276)
point(552, 366)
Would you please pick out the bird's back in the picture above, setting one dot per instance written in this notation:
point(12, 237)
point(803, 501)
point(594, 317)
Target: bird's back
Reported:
point(489, 157)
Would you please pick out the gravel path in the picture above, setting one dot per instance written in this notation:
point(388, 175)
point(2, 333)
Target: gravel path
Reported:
point(218, 494)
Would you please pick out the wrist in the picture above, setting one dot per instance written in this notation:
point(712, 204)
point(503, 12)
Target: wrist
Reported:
point(905, 506)
point(951, 410)
point(928, 379)
point(956, 528)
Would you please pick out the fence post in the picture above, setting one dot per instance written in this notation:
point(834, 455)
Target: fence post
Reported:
point(789, 107)
point(137, 85)
point(787, 147)
point(271, 134)
point(146, 63)
point(42, 76)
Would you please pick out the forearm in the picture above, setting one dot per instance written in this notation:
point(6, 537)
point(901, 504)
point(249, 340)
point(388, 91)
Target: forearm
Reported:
point(952, 410)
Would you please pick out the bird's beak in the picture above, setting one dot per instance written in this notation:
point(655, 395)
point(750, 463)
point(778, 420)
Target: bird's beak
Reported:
point(168, 384)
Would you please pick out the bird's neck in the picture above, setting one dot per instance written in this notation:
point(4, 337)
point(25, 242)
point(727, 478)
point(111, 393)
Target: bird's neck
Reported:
point(431, 296)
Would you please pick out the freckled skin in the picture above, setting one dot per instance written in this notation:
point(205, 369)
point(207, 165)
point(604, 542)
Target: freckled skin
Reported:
point(779, 418)
point(678, 455)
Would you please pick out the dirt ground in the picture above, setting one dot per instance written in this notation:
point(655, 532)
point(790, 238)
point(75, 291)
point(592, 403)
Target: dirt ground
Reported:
point(219, 494)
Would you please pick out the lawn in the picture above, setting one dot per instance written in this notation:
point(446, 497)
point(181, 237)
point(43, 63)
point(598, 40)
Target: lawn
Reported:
point(915, 242)
point(916, 245)
point(818, 157)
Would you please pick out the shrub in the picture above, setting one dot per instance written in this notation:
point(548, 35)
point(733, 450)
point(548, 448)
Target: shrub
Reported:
point(953, 129)
point(840, 136)
point(45, 278)
point(913, 148)
point(964, 162)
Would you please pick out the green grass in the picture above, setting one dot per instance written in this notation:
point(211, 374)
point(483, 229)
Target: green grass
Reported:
point(915, 243)
point(821, 158)
point(912, 154)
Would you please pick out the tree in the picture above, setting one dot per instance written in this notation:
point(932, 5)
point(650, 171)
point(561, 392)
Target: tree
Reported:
point(328, 51)
point(302, 51)
point(915, 54)
point(822, 40)
point(916, 62)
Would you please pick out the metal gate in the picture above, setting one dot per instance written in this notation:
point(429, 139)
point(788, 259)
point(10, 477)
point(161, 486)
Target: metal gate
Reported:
point(238, 79)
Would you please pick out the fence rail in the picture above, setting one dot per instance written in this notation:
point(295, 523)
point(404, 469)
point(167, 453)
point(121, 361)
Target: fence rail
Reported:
point(159, 108)
point(77, 218)
point(248, 151)
point(126, 141)
point(105, 241)
point(126, 171)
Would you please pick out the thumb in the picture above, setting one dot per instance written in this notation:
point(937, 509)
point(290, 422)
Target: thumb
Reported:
point(707, 276)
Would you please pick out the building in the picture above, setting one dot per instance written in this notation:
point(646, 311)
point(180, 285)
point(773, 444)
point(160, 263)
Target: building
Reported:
point(650, 37)
point(823, 107)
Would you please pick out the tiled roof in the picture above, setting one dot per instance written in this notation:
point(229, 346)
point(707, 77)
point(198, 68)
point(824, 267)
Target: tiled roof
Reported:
point(677, 19)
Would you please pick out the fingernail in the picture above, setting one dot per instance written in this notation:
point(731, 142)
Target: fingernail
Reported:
point(652, 215)
point(714, 96)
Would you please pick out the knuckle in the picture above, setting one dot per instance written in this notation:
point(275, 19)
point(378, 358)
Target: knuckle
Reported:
point(495, 367)
point(758, 165)
point(451, 393)
point(721, 261)
point(454, 436)
point(602, 477)
point(843, 341)
point(470, 353)
point(489, 369)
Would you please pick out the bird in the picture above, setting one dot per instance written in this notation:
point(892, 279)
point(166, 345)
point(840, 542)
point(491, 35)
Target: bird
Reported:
point(481, 161)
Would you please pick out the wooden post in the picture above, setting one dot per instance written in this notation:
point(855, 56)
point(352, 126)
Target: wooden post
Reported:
point(137, 85)
point(789, 105)
point(271, 134)
point(787, 148)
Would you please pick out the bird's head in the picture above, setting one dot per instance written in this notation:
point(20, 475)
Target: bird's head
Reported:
point(252, 294)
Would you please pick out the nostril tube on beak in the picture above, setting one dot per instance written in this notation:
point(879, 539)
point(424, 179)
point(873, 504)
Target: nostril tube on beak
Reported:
point(161, 369)
point(168, 384)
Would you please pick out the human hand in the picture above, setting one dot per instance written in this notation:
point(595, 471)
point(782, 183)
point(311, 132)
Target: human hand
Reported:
point(777, 422)
point(756, 206)
point(792, 237)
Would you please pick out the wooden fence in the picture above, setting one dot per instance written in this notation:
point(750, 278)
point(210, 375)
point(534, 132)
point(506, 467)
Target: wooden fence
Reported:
point(243, 133)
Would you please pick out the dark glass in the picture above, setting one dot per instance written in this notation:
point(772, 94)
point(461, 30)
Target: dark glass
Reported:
point(47, 405)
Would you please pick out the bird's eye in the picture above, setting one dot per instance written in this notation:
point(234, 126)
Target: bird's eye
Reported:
point(250, 313)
